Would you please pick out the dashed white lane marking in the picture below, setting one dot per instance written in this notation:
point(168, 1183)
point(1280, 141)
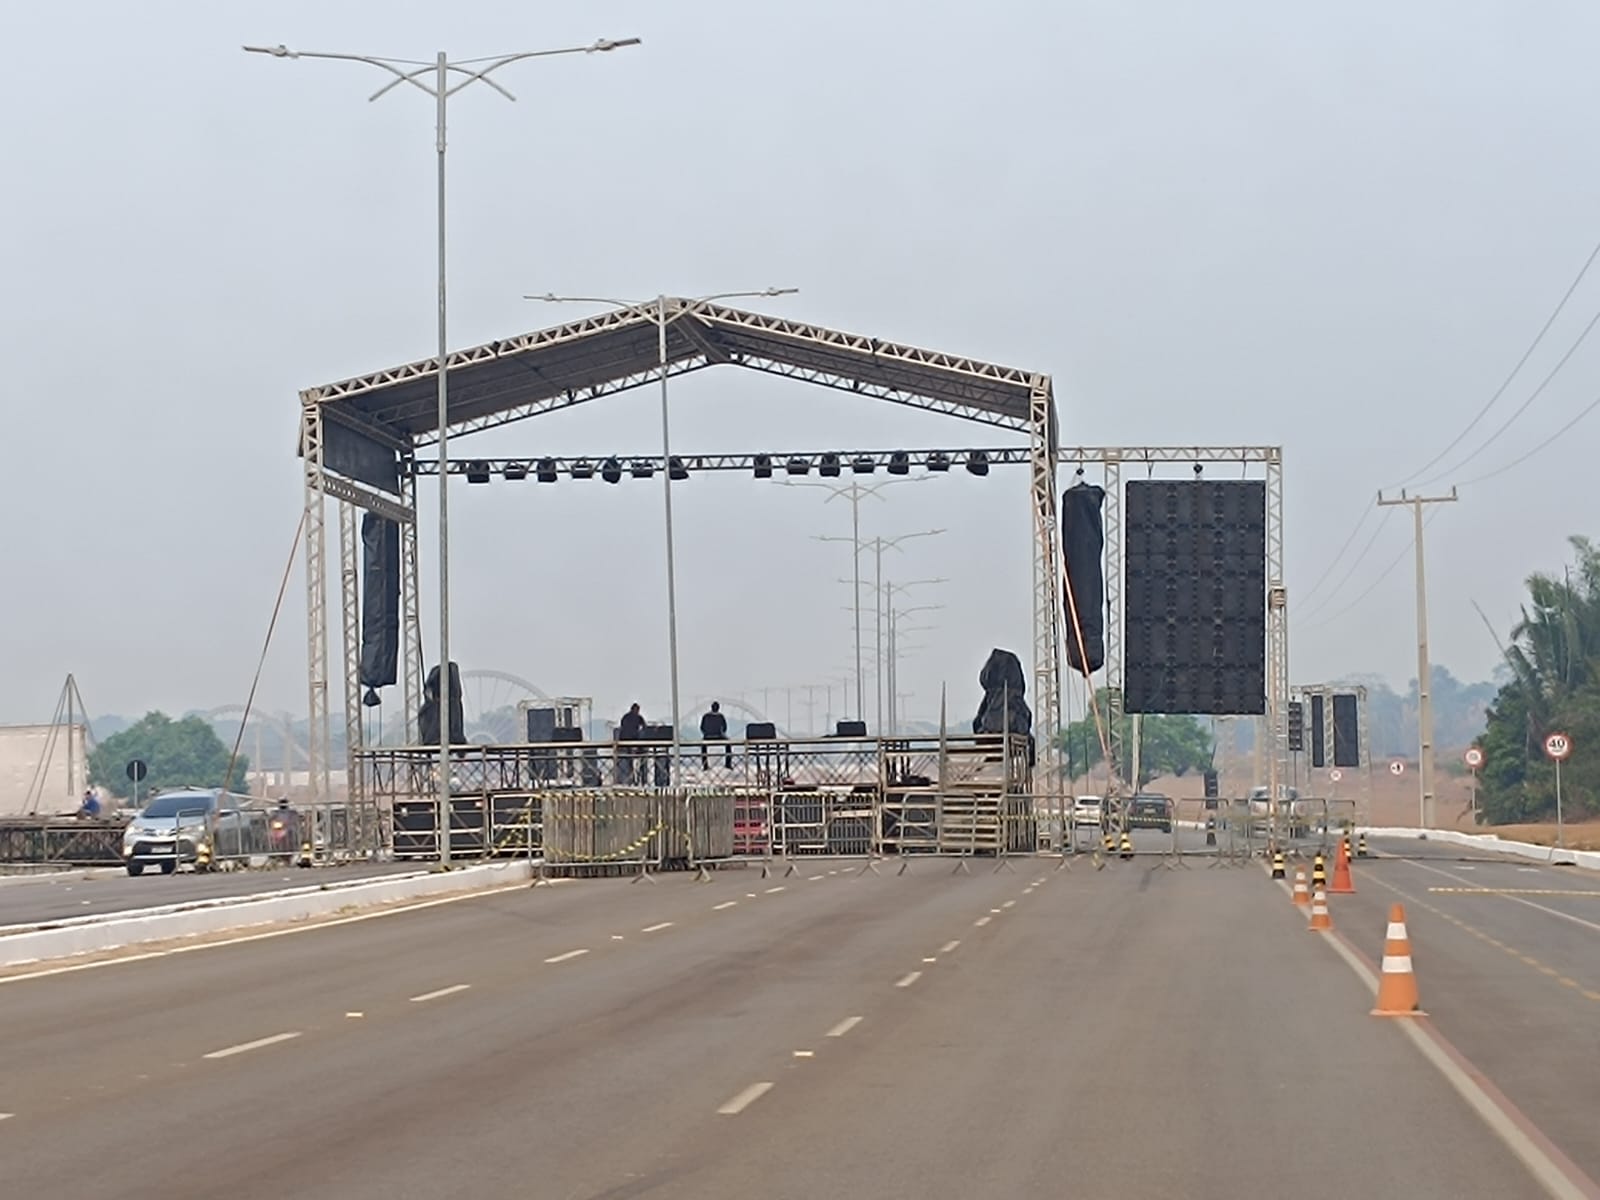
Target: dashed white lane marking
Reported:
point(617, 937)
point(745, 1099)
point(354, 1014)
point(909, 978)
point(930, 959)
point(982, 921)
point(6, 1116)
point(949, 946)
point(1027, 891)
point(560, 958)
point(723, 905)
point(242, 1047)
point(805, 1053)
point(444, 991)
point(749, 895)
point(1009, 904)
point(779, 888)
point(656, 928)
point(844, 1027)
point(816, 878)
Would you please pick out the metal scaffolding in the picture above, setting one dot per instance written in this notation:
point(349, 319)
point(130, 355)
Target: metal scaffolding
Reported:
point(359, 438)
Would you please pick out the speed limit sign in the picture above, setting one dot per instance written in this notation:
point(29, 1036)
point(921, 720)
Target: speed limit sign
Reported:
point(1473, 757)
point(1397, 767)
point(1558, 746)
point(1335, 775)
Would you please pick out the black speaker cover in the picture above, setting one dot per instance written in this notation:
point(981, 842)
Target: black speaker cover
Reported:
point(380, 601)
point(850, 729)
point(760, 731)
point(1083, 547)
point(428, 718)
point(1346, 731)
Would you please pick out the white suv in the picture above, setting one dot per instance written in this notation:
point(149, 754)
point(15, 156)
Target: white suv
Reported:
point(1086, 811)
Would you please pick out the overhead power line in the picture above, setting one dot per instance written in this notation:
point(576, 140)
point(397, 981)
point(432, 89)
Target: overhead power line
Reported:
point(1355, 564)
point(1373, 586)
point(1549, 441)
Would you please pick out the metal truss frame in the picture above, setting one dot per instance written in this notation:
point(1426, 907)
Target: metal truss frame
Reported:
point(1112, 459)
point(778, 461)
point(513, 379)
point(1363, 727)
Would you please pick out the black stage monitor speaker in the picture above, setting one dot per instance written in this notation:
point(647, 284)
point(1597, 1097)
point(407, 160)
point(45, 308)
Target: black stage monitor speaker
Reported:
point(567, 733)
point(541, 724)
point(850, 729)
point(1346, 731)
point(657, 733)
point(757, 731)
point(1195, 597)
point(1319, 738)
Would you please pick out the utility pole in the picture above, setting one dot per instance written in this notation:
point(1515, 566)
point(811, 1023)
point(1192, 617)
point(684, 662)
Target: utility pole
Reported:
point(1424, 671)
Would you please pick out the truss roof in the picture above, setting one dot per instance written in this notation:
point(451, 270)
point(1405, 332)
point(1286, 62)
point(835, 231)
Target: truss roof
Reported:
point(519, 377)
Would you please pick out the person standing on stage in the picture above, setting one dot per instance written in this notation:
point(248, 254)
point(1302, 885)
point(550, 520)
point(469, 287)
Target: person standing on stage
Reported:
point(714, 728)
point(629, 729)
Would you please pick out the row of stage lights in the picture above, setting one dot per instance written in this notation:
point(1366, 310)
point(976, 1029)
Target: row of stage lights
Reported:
point(763, 466)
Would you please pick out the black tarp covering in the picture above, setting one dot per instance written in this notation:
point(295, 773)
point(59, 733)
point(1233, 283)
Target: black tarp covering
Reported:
point(1004, 695)
point(428, 718)
point(1083, 545)
point(380, 601)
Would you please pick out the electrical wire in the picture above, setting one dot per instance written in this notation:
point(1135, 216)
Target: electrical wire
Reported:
point(1355, 564)
point(1515, 371)
point(1366, 512)
point(1549, 441)
point(1534, 395)
point(1373, 586)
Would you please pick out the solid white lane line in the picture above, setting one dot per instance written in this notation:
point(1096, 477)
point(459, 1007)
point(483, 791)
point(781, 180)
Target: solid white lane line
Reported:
point(559, 958)
point(949, 946)
point(909, 978)
point(771, 890)
point(656, 928)
point(982, 921)
point(745, 1099)
point(844, 1027)
point(242, 1047)
point(723, 905)
point(445, 991)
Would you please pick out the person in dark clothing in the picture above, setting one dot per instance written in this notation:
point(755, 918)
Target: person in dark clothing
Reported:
point(629, 729)
point(714, 728)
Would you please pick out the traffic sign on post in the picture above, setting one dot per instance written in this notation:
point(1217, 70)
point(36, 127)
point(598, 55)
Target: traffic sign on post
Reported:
point(1473, 757)
point(1397, 767)
point(1558, 746)
point(1335, 775)
point(137, 770)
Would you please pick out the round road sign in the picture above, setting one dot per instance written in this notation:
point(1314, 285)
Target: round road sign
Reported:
point(1397, 768)
point(1473, 757)
point(1335, 775)
point(137, 770)
point(1558, 746)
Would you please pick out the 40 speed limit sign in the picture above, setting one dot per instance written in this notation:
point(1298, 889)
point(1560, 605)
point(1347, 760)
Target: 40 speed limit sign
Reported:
point(1558, 746)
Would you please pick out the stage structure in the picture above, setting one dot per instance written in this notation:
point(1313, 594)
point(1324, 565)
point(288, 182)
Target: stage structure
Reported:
point(360, 438)
point(1241, 463)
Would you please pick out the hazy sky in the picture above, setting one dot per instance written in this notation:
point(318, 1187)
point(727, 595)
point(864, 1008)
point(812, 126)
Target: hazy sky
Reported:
point(1330, 227)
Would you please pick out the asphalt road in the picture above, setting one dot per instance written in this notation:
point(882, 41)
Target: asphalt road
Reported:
point(1507, 956)
point(33, 899)
point(1127, 1032)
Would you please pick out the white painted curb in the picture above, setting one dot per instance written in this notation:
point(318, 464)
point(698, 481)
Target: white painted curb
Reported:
point(87, 935)
point(1587, 859)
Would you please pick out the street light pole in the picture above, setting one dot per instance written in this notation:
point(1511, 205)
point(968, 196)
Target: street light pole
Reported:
point(406, 71)
point(1424, 670)
point(663, 362)
point(855, 492)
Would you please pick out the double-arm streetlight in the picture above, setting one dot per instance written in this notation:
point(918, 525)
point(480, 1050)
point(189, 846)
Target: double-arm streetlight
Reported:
point(896, 615)
point(878, 545)
point(662, 321)
point(442, 79)
point(855, 492)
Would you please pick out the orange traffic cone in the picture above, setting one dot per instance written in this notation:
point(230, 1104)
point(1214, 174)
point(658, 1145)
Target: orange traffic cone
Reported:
point(1397, 986)
point(1301, 895)
point(1342, 883)
point(1320, 919)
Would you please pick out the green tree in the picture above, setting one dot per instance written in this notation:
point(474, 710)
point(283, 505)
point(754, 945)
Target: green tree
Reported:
point(1169, 745)
point(178, 754)
point(1554, 658)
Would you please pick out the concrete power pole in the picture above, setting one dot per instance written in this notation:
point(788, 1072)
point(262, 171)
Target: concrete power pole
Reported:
point(1424, 671)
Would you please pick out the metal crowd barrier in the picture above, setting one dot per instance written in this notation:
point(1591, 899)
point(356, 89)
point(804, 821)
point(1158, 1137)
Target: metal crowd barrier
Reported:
point(69, 841)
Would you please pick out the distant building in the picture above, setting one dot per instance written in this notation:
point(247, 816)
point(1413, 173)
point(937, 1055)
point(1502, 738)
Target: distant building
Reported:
point(44, 769)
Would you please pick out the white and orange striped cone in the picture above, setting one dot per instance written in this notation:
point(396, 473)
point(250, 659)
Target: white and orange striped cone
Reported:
point(1320, 919)
point(1301, 895)
point(1397, 985)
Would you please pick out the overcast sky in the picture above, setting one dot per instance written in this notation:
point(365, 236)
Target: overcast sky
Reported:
point(1334, 228)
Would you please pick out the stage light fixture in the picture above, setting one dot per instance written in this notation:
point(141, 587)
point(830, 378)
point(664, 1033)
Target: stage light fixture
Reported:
point(978, 463)
point(899, 463)
point(798, 465)
point(863, 464)
point(643, 468)
point(477, 471)
point(763, 466)
point(938, 461)
point(582, 469)
point(611, 471)
point(547, 470)
point(828, 465)
point(515, 472)
point(676, 468)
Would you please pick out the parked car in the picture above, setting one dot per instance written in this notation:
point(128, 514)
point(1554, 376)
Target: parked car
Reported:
point(1087, 811)
point(1151, 811)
